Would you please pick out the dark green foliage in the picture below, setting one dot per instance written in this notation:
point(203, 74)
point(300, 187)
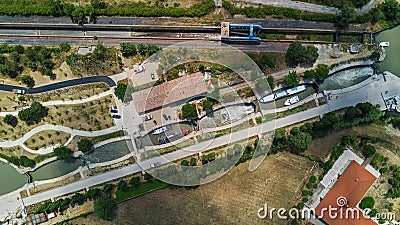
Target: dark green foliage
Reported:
point(208, 158)
point(134, 181)
point(346, 16)
point(208, 104)
point(85, 145)
point(367, 203)
point(28, 81)
point(22, 161)
point(104, 207)
point(34, 114)
point(147, 50)
point(122, 185)
point(62, 152)
point(189, 111)
point(271, 82)
point(368, 150)
point(292, 79)
point(124, 92)
point(64, 46)
point(107, 188)
point(128, 49)
point(299, 54)
point(185, 162)
point(193, 162)
point(299, 141)
point(10, 120)
point(313, 179)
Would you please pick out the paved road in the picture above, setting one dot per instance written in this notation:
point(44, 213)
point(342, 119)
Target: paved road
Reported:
point(311, 7)
point(371, 91)
point(63, 84)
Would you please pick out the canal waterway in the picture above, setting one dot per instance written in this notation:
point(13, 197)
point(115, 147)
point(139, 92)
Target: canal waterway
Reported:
point(11, 180)
point(347, 78)
point(108, 152)
point(391, 62)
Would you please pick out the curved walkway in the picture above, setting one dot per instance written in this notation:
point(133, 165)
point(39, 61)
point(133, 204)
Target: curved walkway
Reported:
point(49, 87)
point(20, 141)
point(310, 7)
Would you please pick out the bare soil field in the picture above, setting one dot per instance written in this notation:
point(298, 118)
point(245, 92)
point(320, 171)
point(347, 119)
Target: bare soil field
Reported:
point(232, 199)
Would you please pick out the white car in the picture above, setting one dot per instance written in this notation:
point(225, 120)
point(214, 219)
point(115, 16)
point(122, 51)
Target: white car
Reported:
point(140, 69)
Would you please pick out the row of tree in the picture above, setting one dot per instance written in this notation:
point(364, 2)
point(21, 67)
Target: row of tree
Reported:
point(145, 50)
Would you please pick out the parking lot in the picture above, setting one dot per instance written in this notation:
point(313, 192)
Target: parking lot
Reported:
point(170, 113)
point(143, 77)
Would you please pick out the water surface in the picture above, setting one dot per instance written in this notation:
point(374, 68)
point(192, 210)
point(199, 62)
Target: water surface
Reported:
point(391, 62)
point(11, 180)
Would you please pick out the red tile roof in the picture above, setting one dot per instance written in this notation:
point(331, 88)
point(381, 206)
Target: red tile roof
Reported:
point(172, 91)
point(353, 184)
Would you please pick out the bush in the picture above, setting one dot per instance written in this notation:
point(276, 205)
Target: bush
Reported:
point(34, 114)
point(28, 81)
point(62, 152)
point(10, 120)
point(85, 145)
point(104, 207)
point(367, 203)
point(189, 111)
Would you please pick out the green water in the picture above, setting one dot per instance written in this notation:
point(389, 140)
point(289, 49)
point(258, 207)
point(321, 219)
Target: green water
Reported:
point(391, 62)
point(108, 152)
point(11, 180)
point(56, 169)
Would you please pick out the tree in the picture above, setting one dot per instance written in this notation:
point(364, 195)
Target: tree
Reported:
point(28, 81)
point(10, 120)
point(292, 79)
point(271, 82)
point(85, 145)
point(299, 142)
point(310, 55)
point(368, 150)
point(294, 53)
point(34, 114)
point(346, 16)
point(207, 105)
point(62, 152)
point(351, 113)
point(64, 46)
point(322, 71)
point(391, 10)
point(367, 203)
point(128, 49)
point(189, 111)
point(122, 185)
point(104, 207)
point(123, 92)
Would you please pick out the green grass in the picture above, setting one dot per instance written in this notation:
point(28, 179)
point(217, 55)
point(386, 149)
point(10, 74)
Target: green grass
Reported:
point(270, 36)
point(139, 189)
point(315, 37)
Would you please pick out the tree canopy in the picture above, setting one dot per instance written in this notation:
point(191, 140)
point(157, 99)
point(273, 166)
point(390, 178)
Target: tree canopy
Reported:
point(299, 54)
point(34, 114)
point(123, 92)
point(85, 145)
point(189, 111)
point(128, 49)
point(62, 152)
point(346, 15)
point(367, 203)
point(292, 79)
point(28, 81)
point(104, 207)
point(10, 120)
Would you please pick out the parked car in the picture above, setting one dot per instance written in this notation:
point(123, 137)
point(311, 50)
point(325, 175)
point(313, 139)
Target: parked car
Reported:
point(114, 107)
point(114, 111)
point(148, 117)
point(154, 165)
point(116, 116)
point(19, 91)
point(152, 76)
point(140, 69)
point(165, 116)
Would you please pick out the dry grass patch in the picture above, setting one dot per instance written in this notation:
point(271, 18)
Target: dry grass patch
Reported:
point(8, 100)
point(93, 115)
point(70, 93)
point(232, 199)
point(46, 138)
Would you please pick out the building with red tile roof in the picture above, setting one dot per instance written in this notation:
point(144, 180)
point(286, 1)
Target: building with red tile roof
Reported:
point(350, 187)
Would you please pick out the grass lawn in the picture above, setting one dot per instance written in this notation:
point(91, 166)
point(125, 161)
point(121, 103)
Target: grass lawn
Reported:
point(139, 189)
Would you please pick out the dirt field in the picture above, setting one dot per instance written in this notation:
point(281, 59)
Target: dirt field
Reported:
point(70, 93)
point(232, 199)
point(46, 138)
point(8, 101)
